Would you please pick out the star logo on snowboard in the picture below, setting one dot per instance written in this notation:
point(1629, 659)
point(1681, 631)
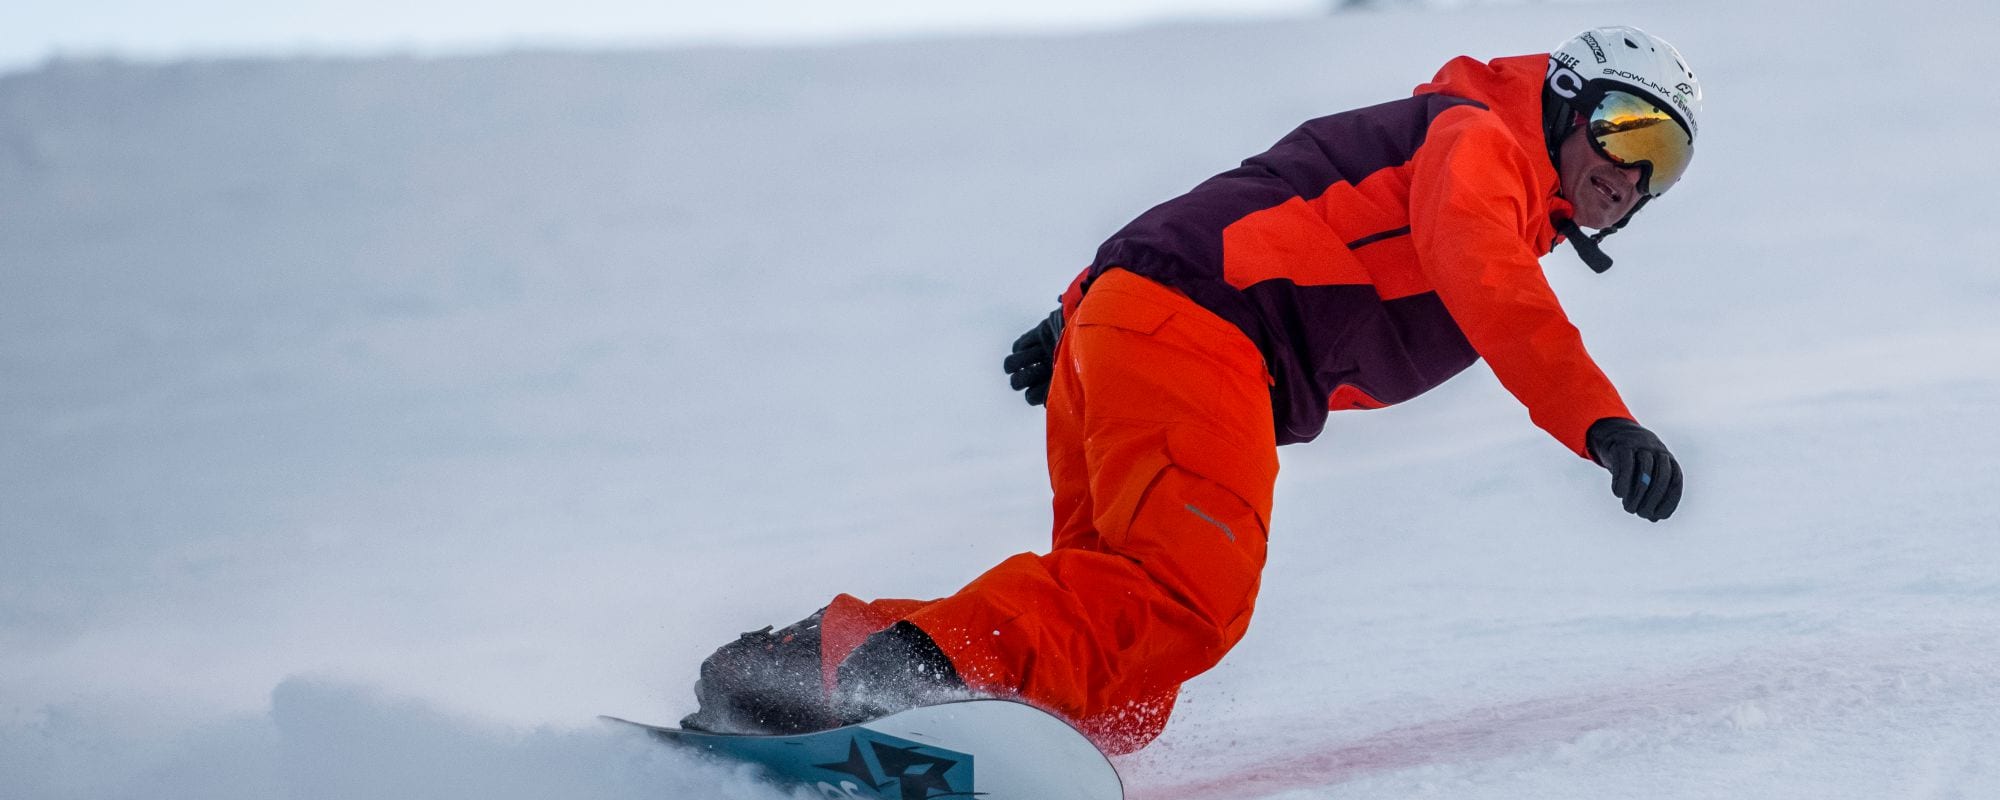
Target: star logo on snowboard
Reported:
point(921, 775)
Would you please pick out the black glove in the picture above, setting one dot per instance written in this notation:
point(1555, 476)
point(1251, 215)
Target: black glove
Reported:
point(1643, 473)
point(1034, 359)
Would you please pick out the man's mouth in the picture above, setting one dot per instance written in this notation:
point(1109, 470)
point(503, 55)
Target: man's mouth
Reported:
point(1611, 194)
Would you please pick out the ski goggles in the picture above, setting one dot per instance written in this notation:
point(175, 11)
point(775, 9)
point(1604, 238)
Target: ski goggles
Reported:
point(1633, 132)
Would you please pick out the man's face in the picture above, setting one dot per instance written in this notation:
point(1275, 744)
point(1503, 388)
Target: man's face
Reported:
point(1602, 192)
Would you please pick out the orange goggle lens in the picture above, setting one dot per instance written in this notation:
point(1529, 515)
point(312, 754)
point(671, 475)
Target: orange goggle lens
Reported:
point(1633, 132)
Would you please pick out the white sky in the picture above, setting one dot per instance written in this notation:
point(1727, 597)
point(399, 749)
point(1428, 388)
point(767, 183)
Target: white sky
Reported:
point(34, 30)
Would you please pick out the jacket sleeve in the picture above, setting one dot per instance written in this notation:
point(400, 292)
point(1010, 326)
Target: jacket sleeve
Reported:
point(1471, 223)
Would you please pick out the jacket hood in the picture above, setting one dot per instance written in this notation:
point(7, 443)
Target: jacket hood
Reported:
point(1510, 87)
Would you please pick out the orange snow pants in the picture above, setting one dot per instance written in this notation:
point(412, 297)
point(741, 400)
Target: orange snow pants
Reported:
point(1162, 458)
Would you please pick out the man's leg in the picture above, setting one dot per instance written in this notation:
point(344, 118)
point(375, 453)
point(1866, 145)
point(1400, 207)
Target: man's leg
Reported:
point(1162, 457)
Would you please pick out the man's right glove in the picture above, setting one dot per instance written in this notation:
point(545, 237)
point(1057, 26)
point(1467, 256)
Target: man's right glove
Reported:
point(1643, 473)
point(1033, 361)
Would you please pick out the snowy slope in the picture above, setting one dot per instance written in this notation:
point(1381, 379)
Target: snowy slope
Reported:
point(366, 427)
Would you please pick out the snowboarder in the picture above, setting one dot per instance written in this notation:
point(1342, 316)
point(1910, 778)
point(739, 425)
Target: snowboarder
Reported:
point(1366, 258)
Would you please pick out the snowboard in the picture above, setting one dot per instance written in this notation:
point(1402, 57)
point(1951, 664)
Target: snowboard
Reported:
point(985, 749)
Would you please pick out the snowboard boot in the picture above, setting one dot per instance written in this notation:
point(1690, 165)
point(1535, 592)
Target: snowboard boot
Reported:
point(896, 669)
point(765, 683)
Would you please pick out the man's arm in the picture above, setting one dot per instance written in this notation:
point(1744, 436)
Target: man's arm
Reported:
point(1469, 221)
point(1469, 216)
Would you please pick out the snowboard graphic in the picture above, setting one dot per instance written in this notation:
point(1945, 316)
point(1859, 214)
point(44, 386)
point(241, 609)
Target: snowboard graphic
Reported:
point(988, 749)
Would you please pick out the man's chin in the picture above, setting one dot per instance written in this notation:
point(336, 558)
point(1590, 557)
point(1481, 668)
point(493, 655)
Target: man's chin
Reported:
point(1594, 220)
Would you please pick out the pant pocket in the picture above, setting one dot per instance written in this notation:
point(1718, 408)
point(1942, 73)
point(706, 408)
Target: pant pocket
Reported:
point(1187, 522)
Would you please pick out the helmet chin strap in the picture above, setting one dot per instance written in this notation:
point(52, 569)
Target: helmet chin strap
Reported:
point(1586, 246)
point(1589, 247)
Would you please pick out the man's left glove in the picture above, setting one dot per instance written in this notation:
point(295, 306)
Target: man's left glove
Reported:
point(1033, 361)
point(1643, 473)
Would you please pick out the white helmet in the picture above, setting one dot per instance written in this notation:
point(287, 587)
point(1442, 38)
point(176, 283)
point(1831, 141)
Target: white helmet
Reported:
point(1624, 57)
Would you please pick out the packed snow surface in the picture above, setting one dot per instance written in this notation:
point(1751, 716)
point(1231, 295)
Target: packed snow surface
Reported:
point(368, 426)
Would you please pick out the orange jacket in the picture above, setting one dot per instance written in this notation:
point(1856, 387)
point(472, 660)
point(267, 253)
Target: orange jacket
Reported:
point(1373, 254)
